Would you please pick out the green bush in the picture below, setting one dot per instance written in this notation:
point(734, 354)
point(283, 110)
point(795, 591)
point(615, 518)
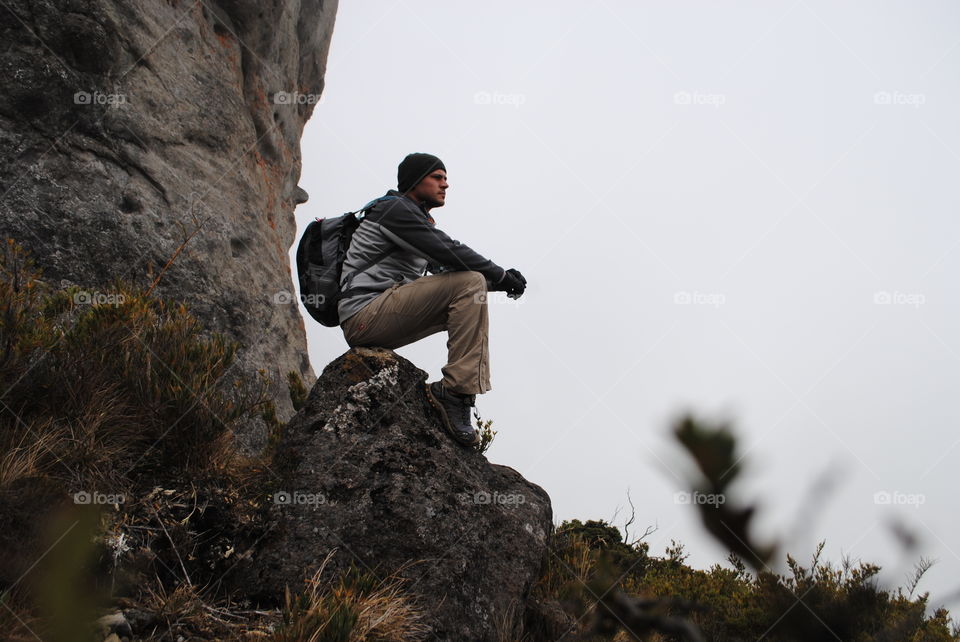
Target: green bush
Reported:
point(590, 568)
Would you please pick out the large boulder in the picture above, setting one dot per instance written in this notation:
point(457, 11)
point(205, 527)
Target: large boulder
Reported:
point(133, 133)
point(369, 473)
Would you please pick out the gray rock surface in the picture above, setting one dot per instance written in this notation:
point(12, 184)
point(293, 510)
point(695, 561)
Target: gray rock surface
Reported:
point(130, 129)
point(368, 472)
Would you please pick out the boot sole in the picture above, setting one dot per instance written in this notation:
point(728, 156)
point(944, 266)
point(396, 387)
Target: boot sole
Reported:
point(448, 426)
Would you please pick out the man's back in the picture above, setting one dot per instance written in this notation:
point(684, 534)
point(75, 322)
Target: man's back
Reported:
point(402, 265)
point(405, 227)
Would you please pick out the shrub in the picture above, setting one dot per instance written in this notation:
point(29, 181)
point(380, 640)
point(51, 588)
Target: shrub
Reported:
point(598, 581)
point(612, 588)
point(120, 393)
point(102, 389)
point(487, 433)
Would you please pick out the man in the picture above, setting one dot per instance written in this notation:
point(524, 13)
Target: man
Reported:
point(388, 301)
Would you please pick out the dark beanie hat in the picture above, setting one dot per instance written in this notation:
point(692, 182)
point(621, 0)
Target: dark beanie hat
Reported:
point(414, 168)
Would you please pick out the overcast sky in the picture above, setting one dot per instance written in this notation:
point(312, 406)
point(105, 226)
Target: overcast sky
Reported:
point(743, 209)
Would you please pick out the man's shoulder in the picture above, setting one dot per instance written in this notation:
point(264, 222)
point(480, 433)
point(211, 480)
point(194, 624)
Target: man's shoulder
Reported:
point(394, 203)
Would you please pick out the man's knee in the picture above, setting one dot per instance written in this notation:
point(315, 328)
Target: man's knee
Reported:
point(470, 280)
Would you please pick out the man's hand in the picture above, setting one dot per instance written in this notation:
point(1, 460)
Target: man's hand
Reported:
point(512, 282)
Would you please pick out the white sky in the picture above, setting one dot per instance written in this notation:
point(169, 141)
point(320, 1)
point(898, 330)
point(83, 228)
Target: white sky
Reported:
point(781, 163)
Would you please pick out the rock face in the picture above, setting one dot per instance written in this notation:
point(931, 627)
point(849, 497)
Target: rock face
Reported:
point(367, 470)
point(130, 129)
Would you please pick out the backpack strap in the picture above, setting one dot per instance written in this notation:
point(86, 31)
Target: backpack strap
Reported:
point(370, 205)
point(366, 265)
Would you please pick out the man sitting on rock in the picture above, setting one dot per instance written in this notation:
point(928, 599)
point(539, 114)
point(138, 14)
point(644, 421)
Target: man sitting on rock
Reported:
point(392, 303)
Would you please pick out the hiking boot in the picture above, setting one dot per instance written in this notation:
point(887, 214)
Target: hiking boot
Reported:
point(454, 410)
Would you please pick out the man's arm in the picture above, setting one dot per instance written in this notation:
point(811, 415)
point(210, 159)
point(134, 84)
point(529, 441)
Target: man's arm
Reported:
point(440, 250)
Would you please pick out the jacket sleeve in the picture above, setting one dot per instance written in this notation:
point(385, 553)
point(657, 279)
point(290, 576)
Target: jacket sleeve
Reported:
point(440, 250)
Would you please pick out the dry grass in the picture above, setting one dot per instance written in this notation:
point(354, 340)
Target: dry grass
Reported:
point(132, 398)
point(18, 625)
point(570, 566)
point(118, 398)
point(178, 607)
point(25, 452)
point(354, 608)
point(99, 395)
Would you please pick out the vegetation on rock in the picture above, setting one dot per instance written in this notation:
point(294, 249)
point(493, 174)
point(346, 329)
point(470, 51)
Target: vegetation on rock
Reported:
point(121, 489)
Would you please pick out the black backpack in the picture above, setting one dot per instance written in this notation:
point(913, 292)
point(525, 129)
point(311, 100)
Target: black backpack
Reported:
point(320, 255)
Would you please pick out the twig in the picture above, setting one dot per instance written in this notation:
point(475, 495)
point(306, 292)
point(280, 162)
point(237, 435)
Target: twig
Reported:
point(176, 253)
point(633, 517)
point(174, 546)
point(187, 518)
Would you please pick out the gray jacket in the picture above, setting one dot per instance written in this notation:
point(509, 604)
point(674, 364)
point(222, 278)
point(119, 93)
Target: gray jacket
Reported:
point(400, 225)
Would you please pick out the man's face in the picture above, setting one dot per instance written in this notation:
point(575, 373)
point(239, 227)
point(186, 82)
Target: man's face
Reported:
point(432, 190)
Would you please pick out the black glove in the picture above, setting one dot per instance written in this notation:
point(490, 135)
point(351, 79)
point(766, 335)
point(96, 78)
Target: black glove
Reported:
point(512, 283)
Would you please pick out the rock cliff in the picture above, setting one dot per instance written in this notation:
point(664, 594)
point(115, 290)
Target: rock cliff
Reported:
point(135, 132)
point(158, 142)
point(368, 472)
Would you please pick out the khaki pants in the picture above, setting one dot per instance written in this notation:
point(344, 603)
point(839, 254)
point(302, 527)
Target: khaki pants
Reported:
point(451, 301)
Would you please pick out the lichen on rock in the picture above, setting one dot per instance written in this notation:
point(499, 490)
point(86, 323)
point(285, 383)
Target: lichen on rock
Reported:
point(401, 496)
point(359, 398)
